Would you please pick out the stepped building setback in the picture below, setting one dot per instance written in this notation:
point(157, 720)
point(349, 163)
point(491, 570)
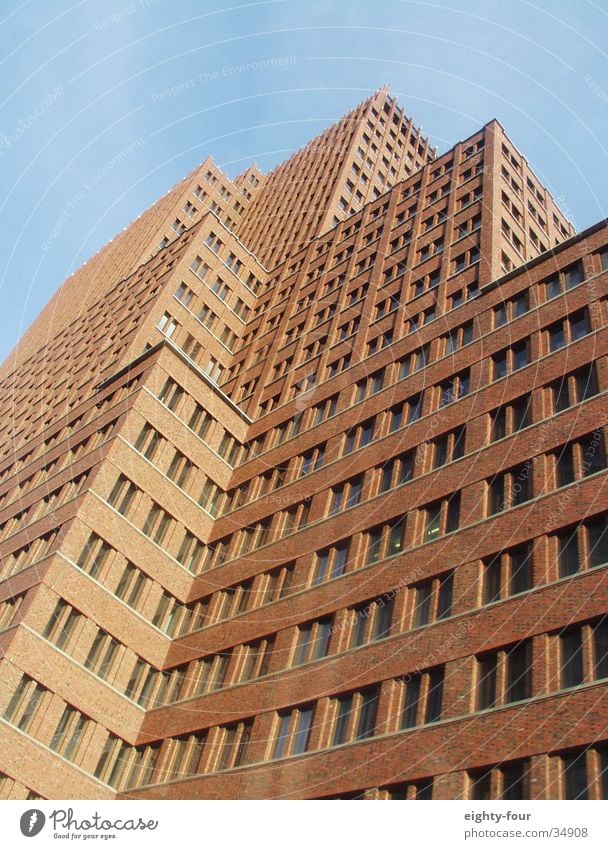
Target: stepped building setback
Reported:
point(303, 489)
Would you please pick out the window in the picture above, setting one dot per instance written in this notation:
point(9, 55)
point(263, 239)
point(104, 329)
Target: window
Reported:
point(213, 242)
point(509, 489)
point(460, 336)
point(507, 573)
point(507, 781)
point(180, 469)
point(397, 471)
point(148, 441)
point(504, 676)
point(171, 394)
point(313, 641)
point(167, 325)
point(582, 546)
point(312, 460)
point(293, 732)
point(405, 413)
point(448, 447)
point(511, 417)
point(355, 715)
point(234, 744)
point(510, 359)
point(69, 733)
point(346, 495)
point(566, 279)
point(257, 658)
point(326, 409)
point(94, 556)
point(573, 388)
point(568, 330)
point(122, 495)
point(359, 436)
point(371, 620)
point(157, 524)
point(102, 655)
point(571, 657)
point(442, 517)
point(61, 625)
point(455, 388)
point(576, 460)
point(331, 563)
point(184, 294)
point(385, 540)
point(24, 703)
point(511, 309)
point(583, 772)
point(583, 652)
point(423, 697)
point(279, 583)
point(433, 599)
point(370, 385)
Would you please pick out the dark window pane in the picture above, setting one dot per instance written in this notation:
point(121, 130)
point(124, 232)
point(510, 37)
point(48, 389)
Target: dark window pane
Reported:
point(422, 611)
point(481, 790)
point(567, 552)
point(453, 513)
point(561, 399)
point(521, 355)
point(521, 570)
point(557, 336)
point(424, 789)
point(435, 695)
point(575, 776)
point(499, 424)
point(340, 557)
point(520, 485)
point(573, 275)
point(514, 780)
point(565, 466)
point(486, 688)
point(597, 541)
point(572, 658)
point(521, 413)
point(410, 705)
point(345, 706)
point(302, 734)
point(384, 616)
point(395, 544)
point(491, 580)
point(367, 714)
point(579, 325)
point(518, 673)
point(600, 648)
point(586, 383)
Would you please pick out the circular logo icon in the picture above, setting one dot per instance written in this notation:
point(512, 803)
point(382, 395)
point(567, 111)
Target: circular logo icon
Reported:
point(32, 822)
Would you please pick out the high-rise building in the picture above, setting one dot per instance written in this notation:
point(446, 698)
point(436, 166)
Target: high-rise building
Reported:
point(302, 489)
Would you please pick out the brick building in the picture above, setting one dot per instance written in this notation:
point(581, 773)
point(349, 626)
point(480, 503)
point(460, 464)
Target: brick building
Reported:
point(302, 489)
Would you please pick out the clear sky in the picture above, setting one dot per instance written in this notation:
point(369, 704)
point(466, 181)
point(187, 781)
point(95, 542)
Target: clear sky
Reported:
point(159, 84)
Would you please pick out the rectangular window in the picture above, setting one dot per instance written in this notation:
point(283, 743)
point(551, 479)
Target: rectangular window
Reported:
point(423, 697)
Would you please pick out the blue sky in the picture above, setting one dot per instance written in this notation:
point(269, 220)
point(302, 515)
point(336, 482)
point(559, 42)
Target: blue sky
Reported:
point(161, 84)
